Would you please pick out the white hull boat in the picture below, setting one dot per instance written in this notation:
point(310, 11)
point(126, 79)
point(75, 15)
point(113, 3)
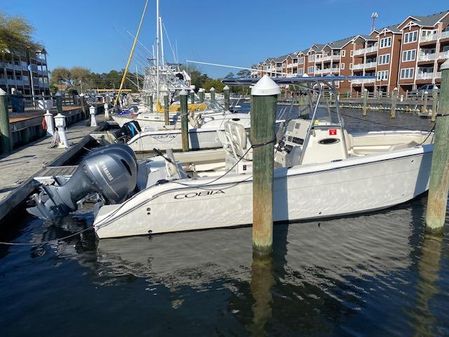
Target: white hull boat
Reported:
point(321, 171)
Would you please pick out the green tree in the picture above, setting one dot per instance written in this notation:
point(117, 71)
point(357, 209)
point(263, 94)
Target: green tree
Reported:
point(80, 78)
point(15, 35)
point(60, 76)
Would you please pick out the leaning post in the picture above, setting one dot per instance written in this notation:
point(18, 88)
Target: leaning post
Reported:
point(166, 110)
point(184, 120)
point(212, 94)
point(365, 102)
point(227, 98)
point(394, 101)
point(4, 123)
point(439, 174)
point(264, 98)
point(434, 102)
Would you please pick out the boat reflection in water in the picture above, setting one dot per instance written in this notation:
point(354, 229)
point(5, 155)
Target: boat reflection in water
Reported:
point(324, 277)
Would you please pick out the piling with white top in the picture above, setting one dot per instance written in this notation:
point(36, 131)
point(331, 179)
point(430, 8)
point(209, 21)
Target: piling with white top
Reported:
point(264, 100)
point(192, 97)
point(227, 97)
point(61, 124)
point(92, 111)
point(184, 120)
point(49, 121)
point(365, 102)
point(439, 173)
point(106, 111)
point(4, 123)
point(212, 94)
point(201, 95)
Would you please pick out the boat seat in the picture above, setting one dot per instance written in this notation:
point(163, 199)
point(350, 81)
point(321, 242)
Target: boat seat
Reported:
point(173, 169)
point(236, 141)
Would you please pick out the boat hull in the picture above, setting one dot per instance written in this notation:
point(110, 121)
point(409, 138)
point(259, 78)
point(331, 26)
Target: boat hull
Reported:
point(305, 192)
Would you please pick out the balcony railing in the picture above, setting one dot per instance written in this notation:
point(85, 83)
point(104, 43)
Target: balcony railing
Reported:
point(425, 76)
point(364, 65)
point(330, 57)
point(327, 70)
point(429, 37)
point(427, 57)
point(444, 35)
point(365, 50)
point(361, 81)
point(444, 55)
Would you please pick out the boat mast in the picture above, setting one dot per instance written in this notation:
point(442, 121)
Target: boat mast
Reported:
point(162, 42)
point(157, 51)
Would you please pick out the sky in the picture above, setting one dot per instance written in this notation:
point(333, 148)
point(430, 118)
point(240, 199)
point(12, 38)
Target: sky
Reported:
point(96, 33)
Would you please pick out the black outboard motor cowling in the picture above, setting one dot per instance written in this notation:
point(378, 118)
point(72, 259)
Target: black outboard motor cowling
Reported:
point(110, 171)
point(128, 131)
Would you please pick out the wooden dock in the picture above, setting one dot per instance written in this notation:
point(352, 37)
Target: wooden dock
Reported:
point(36, 160)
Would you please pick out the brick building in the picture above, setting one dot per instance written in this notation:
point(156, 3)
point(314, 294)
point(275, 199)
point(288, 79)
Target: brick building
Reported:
point(406, 56)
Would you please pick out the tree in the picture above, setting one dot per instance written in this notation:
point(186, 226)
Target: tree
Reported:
point(61, 76)
point(15, 35)
point(80, 78)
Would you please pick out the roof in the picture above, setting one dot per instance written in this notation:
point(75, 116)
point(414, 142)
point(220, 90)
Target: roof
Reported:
point(428, 20)
point(340, 43)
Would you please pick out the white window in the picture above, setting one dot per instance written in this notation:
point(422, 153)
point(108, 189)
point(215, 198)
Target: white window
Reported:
point(343, 53)
point(384, 59)
point(350, 66)
point(409, 55)
point(407, 73)
point(382, 75)
point(342, 66)
point(385, 42)
point(411, 37)
point(425, 33)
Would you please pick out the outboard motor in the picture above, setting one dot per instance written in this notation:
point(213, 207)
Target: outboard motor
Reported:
point(128, 131)
point(110, 171)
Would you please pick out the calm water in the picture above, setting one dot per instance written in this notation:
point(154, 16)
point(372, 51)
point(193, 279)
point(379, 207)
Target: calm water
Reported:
point(370, 275)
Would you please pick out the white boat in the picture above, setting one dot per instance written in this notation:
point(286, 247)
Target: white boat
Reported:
point(321, 171)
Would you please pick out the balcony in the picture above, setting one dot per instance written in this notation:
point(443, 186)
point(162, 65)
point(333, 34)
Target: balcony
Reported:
point(427, 57)
point(364, 65)
point(430, 37)
point(444, 55)
point(426, 76)
point(361, 81)
point(365, 50)
point(444, 35)
point(330, 58)
point(327, 70)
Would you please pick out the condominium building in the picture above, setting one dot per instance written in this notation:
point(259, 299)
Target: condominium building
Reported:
point(406, 56)
point(26, 73)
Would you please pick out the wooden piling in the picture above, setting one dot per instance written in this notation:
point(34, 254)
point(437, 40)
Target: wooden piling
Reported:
point(434, 102)
point(150, 102)
point(439, 173)
point(365, 102)
point(201, 95)
point(4, 123)
point(83, 106)
point(192, 97)
point(58, 98)
point(227, 98)
point(264, 98)
point(394, 100)
point(166, 110)
point(212, 94)
point(184, 120)
point(424, 102)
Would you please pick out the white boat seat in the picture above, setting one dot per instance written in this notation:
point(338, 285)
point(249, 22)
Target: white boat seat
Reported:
point(237, 142)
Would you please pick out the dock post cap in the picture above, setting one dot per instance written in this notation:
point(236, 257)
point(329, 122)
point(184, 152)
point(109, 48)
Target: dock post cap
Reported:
point(192, 87)
point(212, 89)
point(365, 89)
point(445, 65)
point(226, 88)
point(305, 75)
point(265, 87)
point(2, 92)
point(202, 90)
point(183, 92)
point(58, 94)
point(435, 87)
point(395, 89)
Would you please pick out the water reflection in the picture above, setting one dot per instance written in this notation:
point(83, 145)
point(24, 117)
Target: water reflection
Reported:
point(427, 285)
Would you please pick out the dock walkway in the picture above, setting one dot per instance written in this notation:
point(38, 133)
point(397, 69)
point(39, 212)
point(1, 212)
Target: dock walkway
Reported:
point(18, 168)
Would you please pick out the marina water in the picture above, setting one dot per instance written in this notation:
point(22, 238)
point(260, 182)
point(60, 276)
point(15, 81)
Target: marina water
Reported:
point(375, 274)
